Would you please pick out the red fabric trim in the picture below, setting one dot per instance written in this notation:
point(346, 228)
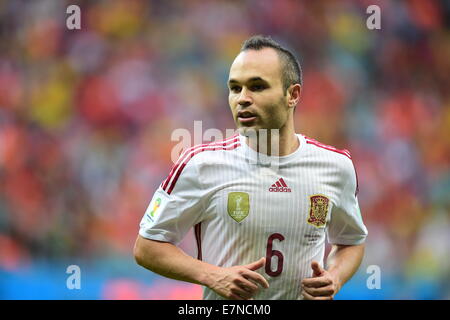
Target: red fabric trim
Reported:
point(192, 154)
point(357, 183)
point(186, 153)
point(331, 148)
point(345, 152)
point(198, 238)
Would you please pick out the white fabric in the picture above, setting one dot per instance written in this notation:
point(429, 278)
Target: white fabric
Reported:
point(200, 195)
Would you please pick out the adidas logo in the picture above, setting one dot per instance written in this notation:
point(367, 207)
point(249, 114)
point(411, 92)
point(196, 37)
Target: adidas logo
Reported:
point(279, 186)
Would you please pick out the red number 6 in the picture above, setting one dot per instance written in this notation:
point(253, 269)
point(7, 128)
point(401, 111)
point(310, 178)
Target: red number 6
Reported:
point(270, 253)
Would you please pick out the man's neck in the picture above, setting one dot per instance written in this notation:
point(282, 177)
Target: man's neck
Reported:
point(274, 142)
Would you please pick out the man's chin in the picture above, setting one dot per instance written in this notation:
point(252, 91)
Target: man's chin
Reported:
point(247, 131)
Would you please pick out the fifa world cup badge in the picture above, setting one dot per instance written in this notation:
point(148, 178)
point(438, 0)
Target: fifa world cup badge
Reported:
point(152, 208)
point(155, 206)
point(318, 211)
point(238, 205)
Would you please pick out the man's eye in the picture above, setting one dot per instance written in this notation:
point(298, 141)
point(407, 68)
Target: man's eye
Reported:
point(235, 89)
point(257, 87)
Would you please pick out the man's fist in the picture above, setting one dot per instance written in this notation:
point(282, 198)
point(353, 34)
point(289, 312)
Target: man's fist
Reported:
point(323, 285)
point(239, 282)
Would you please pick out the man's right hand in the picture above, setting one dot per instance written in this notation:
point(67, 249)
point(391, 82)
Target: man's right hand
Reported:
point(238, 282)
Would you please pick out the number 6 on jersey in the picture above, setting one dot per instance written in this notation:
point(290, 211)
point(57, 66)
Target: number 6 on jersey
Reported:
point(270, 253)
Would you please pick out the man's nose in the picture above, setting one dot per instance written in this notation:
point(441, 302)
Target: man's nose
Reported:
point(244, 98)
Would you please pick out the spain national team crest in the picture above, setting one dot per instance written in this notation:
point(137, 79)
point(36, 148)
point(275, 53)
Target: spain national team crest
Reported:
point(318, 211)
point(238, 205)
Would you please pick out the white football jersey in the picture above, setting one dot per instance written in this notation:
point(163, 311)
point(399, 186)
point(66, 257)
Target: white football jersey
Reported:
point(245, 205)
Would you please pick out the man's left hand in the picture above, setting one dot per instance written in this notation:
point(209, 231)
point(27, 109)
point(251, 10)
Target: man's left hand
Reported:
point(323, 285)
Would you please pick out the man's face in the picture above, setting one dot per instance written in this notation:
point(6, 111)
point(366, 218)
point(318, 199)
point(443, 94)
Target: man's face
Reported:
point(256, 96)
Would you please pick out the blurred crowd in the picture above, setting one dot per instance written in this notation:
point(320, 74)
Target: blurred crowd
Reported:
point(86, 115)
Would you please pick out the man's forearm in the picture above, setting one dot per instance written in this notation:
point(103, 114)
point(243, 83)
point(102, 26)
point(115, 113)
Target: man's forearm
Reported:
point(166, 259)
point(343, 261)
point(169, 261)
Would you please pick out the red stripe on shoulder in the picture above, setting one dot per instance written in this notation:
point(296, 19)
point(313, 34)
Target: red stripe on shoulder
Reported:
point(345, 152)
point(228, 144)
point(186, 153)
point(197, 151)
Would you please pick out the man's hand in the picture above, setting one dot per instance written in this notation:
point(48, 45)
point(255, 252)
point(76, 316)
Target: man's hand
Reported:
point(322, 286)
point(238, 282)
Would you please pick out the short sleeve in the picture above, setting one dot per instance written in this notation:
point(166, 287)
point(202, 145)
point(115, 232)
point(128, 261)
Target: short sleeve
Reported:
point(346, 226)
point(176, 206)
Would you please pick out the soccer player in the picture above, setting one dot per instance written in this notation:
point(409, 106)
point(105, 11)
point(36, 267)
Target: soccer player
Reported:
point(260, 228)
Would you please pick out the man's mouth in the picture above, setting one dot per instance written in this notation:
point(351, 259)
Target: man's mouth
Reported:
point(246, 116)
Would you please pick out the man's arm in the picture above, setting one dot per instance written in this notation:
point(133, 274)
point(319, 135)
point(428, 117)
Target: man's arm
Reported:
point(343, 261)
point(166, 259)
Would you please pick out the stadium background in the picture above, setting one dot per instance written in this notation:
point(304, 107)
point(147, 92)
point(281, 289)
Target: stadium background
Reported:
point(86, 118)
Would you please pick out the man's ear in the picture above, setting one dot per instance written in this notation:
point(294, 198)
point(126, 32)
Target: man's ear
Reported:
point(294, 93)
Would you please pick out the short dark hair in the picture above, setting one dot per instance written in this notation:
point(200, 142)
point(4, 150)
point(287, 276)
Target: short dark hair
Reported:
point(291, 69)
